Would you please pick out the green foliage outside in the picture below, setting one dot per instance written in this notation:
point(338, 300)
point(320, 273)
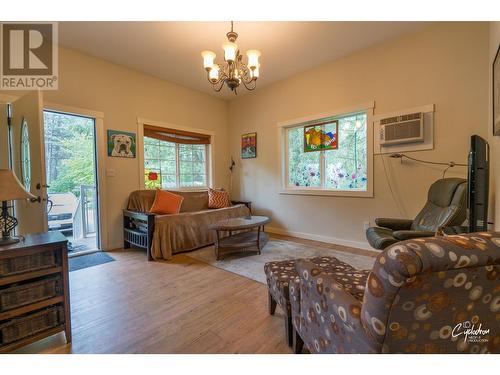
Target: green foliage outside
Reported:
point(69, 151)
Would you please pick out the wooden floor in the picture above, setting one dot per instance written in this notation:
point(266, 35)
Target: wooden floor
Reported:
point(181, 306)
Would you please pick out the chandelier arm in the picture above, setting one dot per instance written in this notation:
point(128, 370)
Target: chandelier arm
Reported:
point(214, 86)
point(247, 85)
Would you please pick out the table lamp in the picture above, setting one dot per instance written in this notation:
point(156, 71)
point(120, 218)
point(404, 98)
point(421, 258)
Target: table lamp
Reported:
point(10, 189)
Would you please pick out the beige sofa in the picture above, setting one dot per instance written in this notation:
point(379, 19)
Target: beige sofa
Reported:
point(165, 235)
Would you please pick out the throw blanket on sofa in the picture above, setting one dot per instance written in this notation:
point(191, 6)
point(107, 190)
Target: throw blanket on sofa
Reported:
point(187, 230)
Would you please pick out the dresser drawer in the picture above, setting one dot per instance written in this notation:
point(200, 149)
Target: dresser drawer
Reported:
point(28, 293)
point(29, 263)
point(31, 324)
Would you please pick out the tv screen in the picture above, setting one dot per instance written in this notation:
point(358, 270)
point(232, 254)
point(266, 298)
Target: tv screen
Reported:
point(478, 184)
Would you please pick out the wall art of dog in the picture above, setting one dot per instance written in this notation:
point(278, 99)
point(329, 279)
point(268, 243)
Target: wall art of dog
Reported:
point(121, 144)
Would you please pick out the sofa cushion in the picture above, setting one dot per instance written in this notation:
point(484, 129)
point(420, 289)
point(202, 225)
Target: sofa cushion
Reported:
point(218, 199)
point(166, 203)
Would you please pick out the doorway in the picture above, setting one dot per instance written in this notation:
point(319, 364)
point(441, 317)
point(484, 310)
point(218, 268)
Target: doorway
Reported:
point(71, 178)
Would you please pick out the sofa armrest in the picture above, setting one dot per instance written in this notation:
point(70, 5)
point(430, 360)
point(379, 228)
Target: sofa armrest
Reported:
point(410, 234)
point(394, 224)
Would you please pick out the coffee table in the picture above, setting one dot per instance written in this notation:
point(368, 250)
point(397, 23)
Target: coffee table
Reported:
point(252, 240)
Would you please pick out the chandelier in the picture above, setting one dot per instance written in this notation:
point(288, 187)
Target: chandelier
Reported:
point(233, 71)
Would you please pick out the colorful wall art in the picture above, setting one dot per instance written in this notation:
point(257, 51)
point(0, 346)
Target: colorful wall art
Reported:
point(249, 146)
point(323, 136)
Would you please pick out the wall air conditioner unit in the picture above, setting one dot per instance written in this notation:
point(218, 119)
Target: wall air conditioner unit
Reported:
point(402, 129)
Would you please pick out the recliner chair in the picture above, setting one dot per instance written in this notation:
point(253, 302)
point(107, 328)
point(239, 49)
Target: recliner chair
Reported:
point(446, 206)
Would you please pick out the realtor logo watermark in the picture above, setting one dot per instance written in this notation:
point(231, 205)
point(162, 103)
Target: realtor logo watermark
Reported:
point(28, 56)
point(470, 332)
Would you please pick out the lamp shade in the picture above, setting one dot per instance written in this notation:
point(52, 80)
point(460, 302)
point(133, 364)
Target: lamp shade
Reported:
point(10, 187)
point(208, 59)
point(230, 50)
point(253, 58)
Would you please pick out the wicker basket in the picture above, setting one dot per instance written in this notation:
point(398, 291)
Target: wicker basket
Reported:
point(31, 324)
point(28, 263)
point(25, 294)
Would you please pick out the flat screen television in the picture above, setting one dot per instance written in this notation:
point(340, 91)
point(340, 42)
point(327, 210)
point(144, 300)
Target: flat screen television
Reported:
point(478, 184)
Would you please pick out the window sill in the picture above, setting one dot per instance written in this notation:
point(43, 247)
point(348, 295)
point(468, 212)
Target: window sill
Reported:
point(328, 193)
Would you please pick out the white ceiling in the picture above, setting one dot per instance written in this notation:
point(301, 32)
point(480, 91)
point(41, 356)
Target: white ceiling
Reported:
point(171, 50)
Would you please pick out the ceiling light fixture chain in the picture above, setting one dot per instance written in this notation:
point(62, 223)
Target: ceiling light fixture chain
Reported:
point(233, 71)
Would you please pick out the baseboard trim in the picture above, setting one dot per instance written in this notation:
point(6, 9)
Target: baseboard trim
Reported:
point(318, 237)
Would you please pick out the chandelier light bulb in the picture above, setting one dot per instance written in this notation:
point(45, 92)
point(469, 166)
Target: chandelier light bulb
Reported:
point(208, 59)
point(255, 72)
point(253, 58)
point(213, 73)
point(230, 50)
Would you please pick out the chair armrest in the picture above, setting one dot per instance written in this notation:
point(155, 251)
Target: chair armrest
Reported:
point(409, 234)
point(394, 224)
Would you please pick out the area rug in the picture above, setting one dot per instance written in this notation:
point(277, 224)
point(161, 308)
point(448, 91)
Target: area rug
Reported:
point(89, 260)
point(251, 265)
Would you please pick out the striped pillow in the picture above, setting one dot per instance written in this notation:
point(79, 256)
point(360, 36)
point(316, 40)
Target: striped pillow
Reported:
point(218, 199)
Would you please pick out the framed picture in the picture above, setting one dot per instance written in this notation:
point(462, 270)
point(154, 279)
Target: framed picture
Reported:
point(121, 144)
point(249, 146)
point(322, 136)
point(496, 94)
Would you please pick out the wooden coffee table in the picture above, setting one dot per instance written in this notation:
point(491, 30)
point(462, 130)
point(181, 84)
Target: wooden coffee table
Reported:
point(251, 240)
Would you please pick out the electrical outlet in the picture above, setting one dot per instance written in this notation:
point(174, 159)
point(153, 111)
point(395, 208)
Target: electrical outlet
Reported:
point(366, 225)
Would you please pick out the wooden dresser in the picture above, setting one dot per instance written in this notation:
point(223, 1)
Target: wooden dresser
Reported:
point(34, 290)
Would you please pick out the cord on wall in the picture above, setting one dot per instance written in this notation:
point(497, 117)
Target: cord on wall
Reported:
point(448, 165)
point(400, 209)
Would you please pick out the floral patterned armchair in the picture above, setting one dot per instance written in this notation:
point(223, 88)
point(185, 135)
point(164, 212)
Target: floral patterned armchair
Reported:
point(432, 295)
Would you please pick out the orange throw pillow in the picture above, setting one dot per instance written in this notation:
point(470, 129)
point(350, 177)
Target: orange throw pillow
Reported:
point(218, 199)
point(166, 203)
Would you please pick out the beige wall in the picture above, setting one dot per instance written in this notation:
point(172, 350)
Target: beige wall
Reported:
point(445, 65)
point(123, 95)
point(494, 141)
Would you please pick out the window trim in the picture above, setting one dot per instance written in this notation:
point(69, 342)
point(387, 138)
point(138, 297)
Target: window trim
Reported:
point(283, 153)
point(209, 154)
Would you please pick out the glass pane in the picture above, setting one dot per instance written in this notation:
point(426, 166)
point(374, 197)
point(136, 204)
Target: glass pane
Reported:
point(199, 168)
point(168, 167)
point(25, 156)
point(186, 180)
point(185, 167)
point(168, 181)
point(152, 164)
point(150, 141)
point(185, 152)
point(199, 153)
point(151, 151)
point(346, 168)
point(167, 152)
point(199, 180)
point(303, 167)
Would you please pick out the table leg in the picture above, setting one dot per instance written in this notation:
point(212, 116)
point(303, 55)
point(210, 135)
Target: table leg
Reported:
point(258, 238)
point(217, 246)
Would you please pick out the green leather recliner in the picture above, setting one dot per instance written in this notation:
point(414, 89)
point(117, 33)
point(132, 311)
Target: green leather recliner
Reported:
point(446, 206)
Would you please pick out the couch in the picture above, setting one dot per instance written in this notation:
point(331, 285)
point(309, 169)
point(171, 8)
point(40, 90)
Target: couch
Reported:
point(429, 295)
point(165, 235)
point(445, 207)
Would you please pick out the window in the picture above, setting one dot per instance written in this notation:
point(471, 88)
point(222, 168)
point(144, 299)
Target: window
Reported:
point(344, 169)
point(175, 159)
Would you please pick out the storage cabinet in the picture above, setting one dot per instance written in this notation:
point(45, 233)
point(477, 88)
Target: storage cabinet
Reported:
point(34, 290)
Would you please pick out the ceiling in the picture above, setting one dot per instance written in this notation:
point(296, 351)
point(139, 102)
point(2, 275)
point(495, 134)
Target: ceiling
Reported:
point(171, 50)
